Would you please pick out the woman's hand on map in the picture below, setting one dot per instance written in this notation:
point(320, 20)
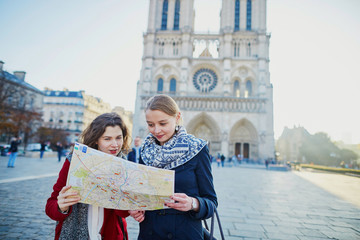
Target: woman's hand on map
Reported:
point(67, 198)
point(182, 202)
point(138, 215)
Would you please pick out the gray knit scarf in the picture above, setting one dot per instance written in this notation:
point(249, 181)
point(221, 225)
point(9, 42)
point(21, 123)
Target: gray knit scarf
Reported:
point(75, 226)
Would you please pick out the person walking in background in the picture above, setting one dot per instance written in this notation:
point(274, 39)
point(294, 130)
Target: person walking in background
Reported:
point(109, 134)
point(135, 152)
point(169, 146)
point(222, 158)
point(234, 160)
point(42, 149)
point(15, 142)
point(218, 160)
point(59, 149)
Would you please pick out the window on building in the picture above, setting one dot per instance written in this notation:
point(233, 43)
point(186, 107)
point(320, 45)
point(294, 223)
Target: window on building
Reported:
point(248, 15)
point(248, 91)
point(248, 50)
point(236, 49)
point(237, 88)
point(175, 49)
point(177, 15)
point(160, 85)
point(10, 100)
point(161, 48)
point(31, 104)
point(173, 85)
point(164, 15)
point(21, 101)
point(237, 15)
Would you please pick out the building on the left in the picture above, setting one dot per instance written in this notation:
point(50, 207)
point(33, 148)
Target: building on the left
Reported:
point(20, 106)
point(62, 114)
point(71, 111)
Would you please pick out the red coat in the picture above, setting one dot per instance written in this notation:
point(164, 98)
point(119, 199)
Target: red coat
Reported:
point(111, 227)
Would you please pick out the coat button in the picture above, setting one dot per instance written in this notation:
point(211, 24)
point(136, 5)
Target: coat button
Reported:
point(169, 236)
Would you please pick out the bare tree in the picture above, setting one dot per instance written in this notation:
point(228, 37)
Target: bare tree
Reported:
point(17, 116)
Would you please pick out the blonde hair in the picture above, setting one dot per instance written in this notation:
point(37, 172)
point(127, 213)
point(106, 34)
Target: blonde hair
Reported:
point(165, 104)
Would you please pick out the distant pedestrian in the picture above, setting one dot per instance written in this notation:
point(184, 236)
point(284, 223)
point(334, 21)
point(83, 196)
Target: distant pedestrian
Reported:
point(15, 142)
point(222, 158)
point(59, 149)
point(42, 149)
point(218, 160)
point(135, 152)
point(234, 160)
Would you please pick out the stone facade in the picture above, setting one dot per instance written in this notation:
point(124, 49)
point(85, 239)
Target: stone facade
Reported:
point(289, 143)
point(127, 117)
point(94, 106)
point(64, 110)
point(18, 95)
point(221, 81)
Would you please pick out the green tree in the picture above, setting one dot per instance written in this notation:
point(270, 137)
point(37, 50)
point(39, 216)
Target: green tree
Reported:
point(319, 149)
point(348, 156)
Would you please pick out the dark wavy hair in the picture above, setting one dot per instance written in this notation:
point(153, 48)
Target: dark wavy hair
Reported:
point(97, 128)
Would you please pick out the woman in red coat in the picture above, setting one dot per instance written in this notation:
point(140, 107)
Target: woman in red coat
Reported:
point(75, 220)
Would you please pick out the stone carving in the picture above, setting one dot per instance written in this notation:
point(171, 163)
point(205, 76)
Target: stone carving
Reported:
point(205, 80)
point(166, 70)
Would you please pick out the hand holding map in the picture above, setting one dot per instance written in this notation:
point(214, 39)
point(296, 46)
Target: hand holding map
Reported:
point(111, 182)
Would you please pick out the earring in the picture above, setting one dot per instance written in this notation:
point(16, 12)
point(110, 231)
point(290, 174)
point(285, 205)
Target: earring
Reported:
point(177, 128)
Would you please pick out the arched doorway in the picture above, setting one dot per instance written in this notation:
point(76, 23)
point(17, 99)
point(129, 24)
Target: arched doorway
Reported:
point(244, 141)
point(204, 126)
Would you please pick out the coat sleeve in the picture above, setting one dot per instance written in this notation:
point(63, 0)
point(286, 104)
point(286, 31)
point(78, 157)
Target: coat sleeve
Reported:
point(122, 213)
point(51, 207)
point(207, 195)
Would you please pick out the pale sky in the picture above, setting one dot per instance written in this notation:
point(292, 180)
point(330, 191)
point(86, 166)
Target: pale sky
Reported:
point(96, 46)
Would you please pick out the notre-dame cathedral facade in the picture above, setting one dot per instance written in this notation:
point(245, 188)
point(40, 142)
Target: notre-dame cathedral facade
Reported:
point(220, 81)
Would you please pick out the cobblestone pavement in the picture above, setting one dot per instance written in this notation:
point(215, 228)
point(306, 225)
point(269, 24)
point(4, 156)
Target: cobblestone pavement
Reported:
point(254, 203)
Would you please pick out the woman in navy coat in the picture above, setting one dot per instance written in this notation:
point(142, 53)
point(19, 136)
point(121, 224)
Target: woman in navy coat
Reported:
point(168, 146)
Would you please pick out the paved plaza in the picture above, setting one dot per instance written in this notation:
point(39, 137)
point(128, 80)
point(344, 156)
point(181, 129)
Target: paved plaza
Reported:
point(254, 203)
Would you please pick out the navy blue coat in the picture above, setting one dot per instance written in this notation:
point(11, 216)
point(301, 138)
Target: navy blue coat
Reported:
point(193, 178)
point(132, 155)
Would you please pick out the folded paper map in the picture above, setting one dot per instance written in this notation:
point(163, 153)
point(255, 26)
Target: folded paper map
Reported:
point(111, 182)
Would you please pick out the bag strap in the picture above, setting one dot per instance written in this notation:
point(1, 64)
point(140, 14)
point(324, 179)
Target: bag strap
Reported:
point(215, 214)
point(219, 223)
point(122, 227)
point(212, 226)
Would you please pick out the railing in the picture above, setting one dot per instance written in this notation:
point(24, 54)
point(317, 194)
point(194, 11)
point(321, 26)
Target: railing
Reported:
point(216, 103)
point(60, 103)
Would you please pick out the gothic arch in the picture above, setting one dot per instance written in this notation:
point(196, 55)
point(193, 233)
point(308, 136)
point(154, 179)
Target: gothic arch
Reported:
point(167, 71)
point(250, 87)
point(244, 130)
point(243, 72)
point(156, 83)
point(244, 140)
point(205, 127)
point(236, 86)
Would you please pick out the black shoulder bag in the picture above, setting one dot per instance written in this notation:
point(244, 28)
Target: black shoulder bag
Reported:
point(209, 234)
